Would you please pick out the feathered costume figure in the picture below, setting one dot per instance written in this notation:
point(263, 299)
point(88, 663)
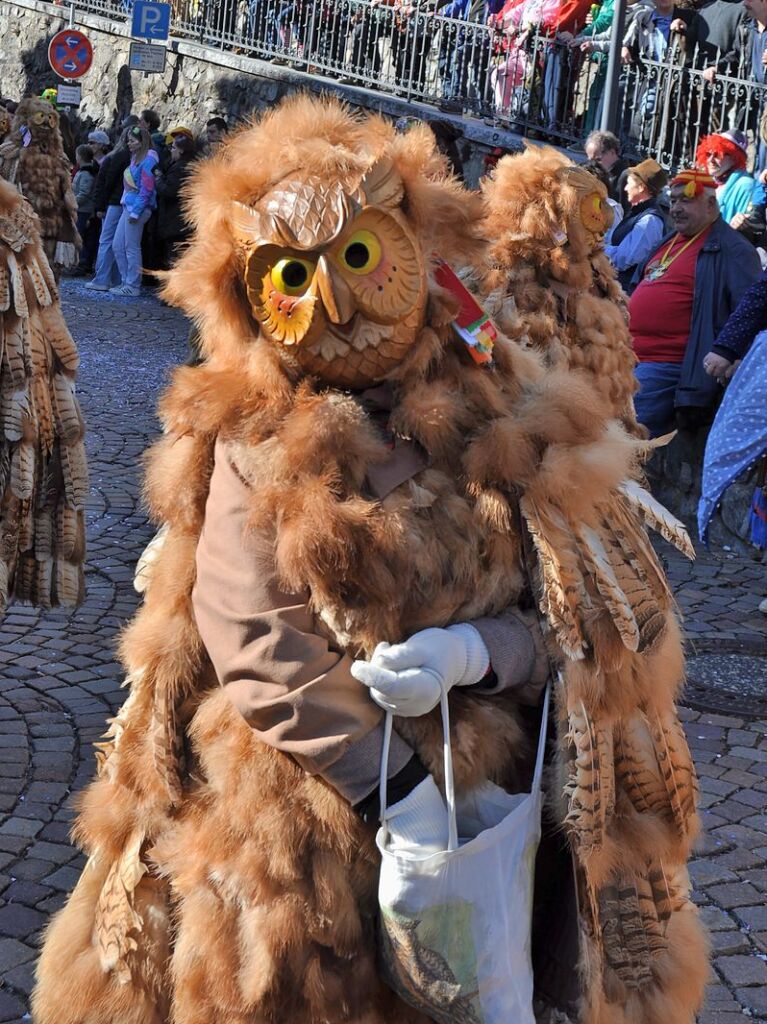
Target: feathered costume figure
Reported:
point(548, 281)
point(43, 477)
point(228, 881)
point(32, 158)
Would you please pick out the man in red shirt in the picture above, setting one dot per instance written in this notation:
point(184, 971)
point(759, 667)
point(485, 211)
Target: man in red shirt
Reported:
point(687, 289)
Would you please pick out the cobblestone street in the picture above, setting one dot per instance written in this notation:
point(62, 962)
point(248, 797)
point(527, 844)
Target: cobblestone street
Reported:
point(59, 682)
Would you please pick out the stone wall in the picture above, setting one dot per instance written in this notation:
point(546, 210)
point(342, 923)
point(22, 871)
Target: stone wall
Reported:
point(191, 89)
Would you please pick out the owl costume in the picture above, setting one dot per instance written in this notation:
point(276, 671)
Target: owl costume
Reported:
point(43, 475)
point(32, 158)
point(547, 279)
point(341, 471)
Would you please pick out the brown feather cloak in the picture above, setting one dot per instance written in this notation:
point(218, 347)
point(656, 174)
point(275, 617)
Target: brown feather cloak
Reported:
point(226, 885)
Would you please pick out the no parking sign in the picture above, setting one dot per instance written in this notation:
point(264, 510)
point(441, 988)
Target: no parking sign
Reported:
point(70, 53)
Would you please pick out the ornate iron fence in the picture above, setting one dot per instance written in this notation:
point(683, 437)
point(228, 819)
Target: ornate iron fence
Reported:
point(520, 79)
point(667, 106)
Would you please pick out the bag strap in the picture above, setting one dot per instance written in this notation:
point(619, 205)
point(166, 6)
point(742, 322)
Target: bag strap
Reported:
point(452, 843)
point(452, 823)
point(537, 774)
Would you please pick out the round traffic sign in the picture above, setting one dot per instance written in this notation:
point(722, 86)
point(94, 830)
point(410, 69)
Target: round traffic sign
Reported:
point(70, 53)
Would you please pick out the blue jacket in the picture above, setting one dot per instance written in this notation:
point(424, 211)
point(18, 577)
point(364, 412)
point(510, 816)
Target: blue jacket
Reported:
point(748, 320)
point(139, 191)
point(726, 266)
point(737, 194)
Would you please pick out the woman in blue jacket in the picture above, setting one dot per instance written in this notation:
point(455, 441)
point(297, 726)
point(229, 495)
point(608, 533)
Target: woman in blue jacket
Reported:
point(138, 201)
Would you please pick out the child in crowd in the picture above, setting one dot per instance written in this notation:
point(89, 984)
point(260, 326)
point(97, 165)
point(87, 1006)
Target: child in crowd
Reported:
point(83, 185)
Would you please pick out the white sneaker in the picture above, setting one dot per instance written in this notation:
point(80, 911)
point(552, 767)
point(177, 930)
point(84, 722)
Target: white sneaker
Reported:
point(125, 289)
point(94, 286)
point(763, 607)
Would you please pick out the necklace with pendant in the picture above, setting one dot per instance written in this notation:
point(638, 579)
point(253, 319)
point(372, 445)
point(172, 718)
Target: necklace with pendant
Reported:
point(660, 268)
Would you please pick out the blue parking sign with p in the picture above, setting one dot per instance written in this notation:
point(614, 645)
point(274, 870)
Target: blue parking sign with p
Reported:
point(150, 20)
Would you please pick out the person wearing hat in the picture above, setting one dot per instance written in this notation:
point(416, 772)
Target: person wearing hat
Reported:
point(687, 289)
point(724, 155)
point(640, 231)
point(176, 131)
point(100, 144)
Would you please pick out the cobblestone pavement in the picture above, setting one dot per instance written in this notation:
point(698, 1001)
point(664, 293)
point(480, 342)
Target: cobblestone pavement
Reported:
point(59, 681)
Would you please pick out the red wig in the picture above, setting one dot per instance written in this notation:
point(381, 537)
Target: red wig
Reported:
point(719, 145)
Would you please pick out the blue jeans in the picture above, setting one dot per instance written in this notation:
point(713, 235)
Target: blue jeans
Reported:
point(262, 28)
point(654, 402)
point(106, 268)
point(127, 247)
point(555, 69)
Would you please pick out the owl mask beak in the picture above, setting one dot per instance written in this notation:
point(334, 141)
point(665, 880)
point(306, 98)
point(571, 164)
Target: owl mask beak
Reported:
point(335, 293)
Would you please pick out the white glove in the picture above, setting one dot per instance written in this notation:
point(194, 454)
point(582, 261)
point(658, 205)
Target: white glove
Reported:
point(407, 678)
point(419, 821)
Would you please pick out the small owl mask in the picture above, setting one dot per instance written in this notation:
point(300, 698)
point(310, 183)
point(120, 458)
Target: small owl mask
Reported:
point(337, 279)
point(594, 214)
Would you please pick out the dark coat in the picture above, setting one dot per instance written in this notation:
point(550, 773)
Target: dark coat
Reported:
point(627, 277)
point(717, 33)
point(109, 180)
point(171, 222)
point(726, 266)
point(745, 323)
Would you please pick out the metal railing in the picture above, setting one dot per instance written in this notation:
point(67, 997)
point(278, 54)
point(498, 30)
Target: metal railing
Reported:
point(512, 77)
point(667, 106)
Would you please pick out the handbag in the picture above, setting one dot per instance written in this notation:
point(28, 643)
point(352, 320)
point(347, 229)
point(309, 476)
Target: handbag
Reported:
point(454, 926)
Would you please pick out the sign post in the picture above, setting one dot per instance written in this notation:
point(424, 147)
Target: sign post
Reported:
point(151, 21)
point(69, 95)
point(70, 53)
point(147, 58)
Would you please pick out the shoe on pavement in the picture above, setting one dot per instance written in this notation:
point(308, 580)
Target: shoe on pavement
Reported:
point(125, 289)
point(94, 286)
point(763, 607)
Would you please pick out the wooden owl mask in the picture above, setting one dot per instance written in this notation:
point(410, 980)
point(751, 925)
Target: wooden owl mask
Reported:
point(593, 214)
point(336, 278)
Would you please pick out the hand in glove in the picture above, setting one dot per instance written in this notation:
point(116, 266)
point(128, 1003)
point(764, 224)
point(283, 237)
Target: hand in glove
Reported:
point(407, 678)
point(419, 821)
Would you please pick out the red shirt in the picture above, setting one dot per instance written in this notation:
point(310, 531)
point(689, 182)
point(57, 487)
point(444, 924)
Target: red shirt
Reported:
point(570, 16)
point(660, 311)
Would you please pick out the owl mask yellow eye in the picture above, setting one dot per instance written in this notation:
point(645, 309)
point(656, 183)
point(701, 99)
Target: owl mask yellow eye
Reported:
point(380, 264)
point(292, 275)
point(361, 254)
point(280, 289)
point(596, 215)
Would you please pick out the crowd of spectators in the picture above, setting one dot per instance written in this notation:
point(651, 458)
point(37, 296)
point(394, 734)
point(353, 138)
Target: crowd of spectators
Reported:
point(690, 254)
point(538, 64)
point(128, 193)
point(129, 213)
point(686, 253)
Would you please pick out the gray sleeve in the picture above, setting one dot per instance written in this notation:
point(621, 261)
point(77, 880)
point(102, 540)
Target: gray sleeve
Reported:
point(518, 655)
